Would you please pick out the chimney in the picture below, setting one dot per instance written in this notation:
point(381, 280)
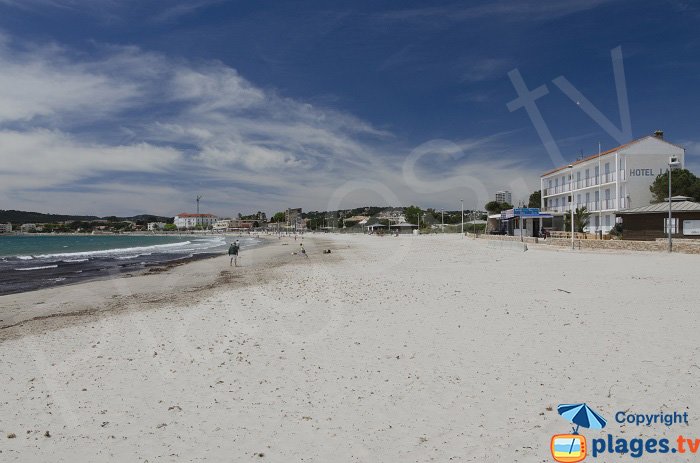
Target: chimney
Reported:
point(659, 134)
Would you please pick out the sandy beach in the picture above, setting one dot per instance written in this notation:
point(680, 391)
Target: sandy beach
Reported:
point(408, 349)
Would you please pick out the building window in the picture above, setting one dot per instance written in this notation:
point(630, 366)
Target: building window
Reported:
point(578, 198)
point(597, 221)
point(674, 226)
point(588, 174)
point(578, 176)
point(607, 220)
point(607, 167)
point(556, 182)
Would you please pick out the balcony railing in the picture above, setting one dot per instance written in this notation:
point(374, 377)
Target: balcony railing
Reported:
point(602, 179)
point(593, 206)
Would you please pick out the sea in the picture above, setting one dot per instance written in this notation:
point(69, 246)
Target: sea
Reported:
point(31, 262)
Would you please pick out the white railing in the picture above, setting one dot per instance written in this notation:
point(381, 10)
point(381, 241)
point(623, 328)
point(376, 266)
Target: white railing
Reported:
point(602, 179)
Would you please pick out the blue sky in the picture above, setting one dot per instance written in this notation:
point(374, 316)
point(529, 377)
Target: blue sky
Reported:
point(126, 106)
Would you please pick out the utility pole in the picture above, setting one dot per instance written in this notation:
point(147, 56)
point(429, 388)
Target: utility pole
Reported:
point(198, 198)
point(462, 203)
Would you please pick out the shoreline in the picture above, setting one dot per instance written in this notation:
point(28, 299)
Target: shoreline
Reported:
point(174, 283)
point(34, 268)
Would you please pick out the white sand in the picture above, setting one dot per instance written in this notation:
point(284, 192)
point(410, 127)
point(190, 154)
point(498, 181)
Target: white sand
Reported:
point(388, 350)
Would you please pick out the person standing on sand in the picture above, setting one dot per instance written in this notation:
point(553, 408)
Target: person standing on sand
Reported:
point(233, 252)
point(303, 251)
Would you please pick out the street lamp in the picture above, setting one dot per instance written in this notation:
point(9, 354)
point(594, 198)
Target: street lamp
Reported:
point(673, 164)
point(571, 202)
point(462, 202)
point(442, 212)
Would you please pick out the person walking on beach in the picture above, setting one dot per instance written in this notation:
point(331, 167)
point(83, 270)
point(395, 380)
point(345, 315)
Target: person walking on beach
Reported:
point(303, 251)
point(233, 252)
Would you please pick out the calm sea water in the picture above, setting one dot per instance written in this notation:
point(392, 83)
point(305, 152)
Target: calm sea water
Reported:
point(29, 262)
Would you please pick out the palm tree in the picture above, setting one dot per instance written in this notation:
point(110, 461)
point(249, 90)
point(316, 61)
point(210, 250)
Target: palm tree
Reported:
point(582, 218)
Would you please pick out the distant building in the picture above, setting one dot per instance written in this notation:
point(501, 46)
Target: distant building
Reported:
point(28, 227)
point(291, 215)
point(504, 197)
point(609, 182)
point(186, 220)
point(6, 227)
point(155, 226)
point(234, 224)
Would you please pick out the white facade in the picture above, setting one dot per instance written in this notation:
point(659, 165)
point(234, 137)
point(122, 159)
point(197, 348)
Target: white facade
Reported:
point(615, 180)
point(504, 197)
point(5, 227)
point(186, 220)
point(155, 226)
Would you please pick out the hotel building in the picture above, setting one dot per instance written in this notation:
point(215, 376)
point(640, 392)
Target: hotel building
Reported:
point(609, 182)
point(186, 220)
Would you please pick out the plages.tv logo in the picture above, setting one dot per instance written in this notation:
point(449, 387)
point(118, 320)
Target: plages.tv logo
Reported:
point(571, 448)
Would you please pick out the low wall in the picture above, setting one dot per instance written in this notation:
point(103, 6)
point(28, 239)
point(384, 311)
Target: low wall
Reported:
point(682, 246)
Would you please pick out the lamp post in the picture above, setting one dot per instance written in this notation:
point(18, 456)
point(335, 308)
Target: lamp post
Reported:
point(571, 202)
point(462, 221)
point(673, 164)
point(442, 212)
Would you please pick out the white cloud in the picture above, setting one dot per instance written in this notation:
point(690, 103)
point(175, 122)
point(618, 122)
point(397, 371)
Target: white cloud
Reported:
point(40, 82)
point(73, 126)
point(41, 159)
point(486, 69)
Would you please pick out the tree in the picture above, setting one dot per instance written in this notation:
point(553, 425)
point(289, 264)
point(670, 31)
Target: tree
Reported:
point(412, 214)
point(170, 227)
point(279, 217)
point(495, 207)
point(535, 199)
point(683, 183)
point(582, 217)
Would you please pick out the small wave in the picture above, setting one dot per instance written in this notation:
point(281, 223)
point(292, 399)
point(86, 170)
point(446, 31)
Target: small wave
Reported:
point(128, 257)
point(76, 260)
point(110, 252)
point(25, 257)
point(57, 279)
point(36, 268)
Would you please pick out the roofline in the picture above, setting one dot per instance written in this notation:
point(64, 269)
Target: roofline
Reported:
point(618, 148)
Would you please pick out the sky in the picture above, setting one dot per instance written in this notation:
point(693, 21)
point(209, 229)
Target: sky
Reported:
point(123, 107)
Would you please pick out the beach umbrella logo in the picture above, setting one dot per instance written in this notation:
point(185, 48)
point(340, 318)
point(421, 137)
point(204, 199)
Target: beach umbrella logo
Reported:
point(571, 448)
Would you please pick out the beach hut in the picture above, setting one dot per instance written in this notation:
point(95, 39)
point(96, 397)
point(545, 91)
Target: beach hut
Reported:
point(404, 227)
point(375, 227)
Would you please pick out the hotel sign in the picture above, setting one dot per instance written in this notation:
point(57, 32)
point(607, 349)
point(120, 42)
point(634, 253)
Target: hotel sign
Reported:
point(691, 227)
point(644, 172)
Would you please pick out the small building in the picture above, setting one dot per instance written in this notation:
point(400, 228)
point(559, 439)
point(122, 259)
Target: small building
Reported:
point(156, 226)
point(6, 227)
point(404, 227)
point(525, 221)
point(647, 223)
point(28, 227)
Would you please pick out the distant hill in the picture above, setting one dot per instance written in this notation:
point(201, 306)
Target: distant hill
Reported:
point(20, 217)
